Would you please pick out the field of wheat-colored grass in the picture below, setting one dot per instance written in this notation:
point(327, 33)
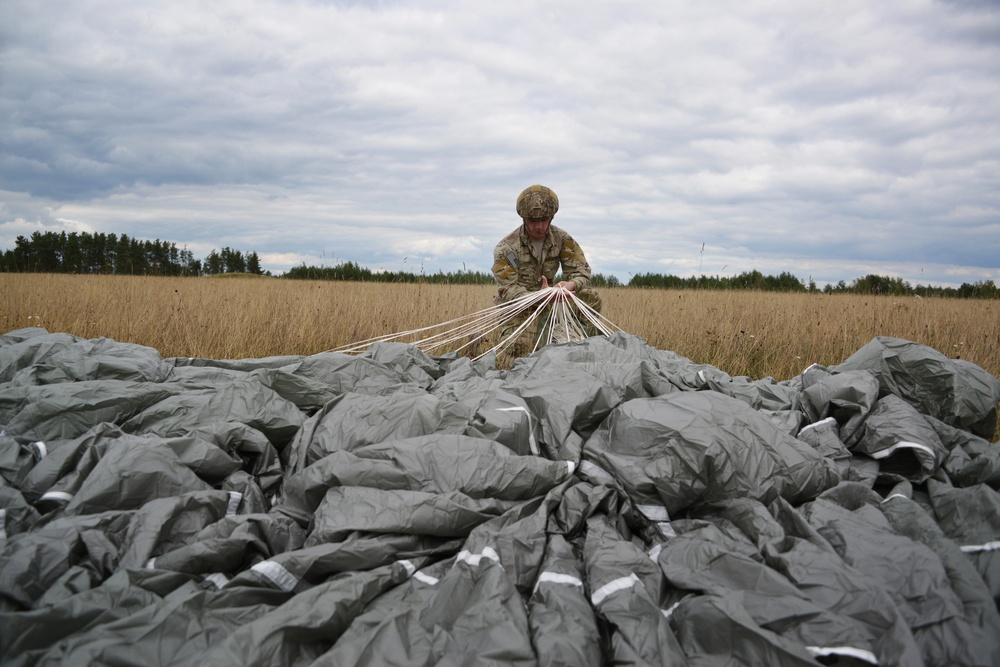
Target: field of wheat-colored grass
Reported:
point(757, 334)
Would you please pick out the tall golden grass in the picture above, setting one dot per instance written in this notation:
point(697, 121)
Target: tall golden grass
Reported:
point(756, 334)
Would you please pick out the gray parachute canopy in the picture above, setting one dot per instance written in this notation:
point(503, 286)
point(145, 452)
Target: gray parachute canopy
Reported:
point(602, 502)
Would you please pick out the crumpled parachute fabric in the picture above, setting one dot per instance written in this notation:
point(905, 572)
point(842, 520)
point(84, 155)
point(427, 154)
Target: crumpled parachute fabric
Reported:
point(602, 502)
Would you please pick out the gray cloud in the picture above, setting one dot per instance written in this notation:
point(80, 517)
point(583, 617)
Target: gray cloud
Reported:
point(823, 140)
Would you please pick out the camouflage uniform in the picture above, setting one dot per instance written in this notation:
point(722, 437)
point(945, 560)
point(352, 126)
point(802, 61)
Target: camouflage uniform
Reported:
point(518, 271)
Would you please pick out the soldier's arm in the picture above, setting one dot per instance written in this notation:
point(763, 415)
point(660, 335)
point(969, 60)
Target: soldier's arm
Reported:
point(505, 273)
point(574, 264)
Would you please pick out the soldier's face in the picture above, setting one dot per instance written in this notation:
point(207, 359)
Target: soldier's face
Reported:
point(537, 228)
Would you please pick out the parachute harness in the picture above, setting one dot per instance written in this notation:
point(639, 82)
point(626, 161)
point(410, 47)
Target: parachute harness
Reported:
point(566, 317)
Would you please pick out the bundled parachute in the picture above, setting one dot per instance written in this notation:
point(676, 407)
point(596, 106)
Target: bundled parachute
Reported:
point(601, 501)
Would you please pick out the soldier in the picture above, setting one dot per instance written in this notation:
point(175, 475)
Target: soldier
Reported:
point(528, 258)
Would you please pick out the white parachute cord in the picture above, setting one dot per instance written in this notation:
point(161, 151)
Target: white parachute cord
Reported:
point(563, 319)
point(601, 323)
point(555, 324)
point(487, 314)
point(539, 299)
point(474, 327)
point(483, 322)
point(546, 325)
point(502, 314)
point(545, 297)
point(562, 315)
point(519, 306)
point(471, 333)
point(571, 324)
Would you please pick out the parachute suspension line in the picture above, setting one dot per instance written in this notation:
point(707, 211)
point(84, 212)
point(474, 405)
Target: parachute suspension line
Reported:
point(487, 314)
point(562, 324)
point(537, 299)
point(562, 314)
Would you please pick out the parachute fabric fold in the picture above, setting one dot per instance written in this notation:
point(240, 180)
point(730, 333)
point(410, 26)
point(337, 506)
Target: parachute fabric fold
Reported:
point(601, 501)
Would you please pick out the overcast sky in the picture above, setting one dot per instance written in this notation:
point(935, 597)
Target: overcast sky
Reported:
point(830, 139)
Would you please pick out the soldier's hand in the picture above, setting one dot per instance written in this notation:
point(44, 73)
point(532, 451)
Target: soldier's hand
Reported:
point(568, 285)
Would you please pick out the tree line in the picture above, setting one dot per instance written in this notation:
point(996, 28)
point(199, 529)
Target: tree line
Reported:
point(83, 252)
point(52, 252)
point(353, 271)
point(872, 284)
point(748, 280)
point(786, 282)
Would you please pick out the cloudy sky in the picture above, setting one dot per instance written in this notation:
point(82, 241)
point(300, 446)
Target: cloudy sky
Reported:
point(826, 138)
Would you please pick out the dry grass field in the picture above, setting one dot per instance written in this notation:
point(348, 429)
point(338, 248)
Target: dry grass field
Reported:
point(757, 334)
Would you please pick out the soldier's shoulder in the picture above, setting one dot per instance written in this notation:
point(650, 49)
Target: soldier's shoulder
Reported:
point(559, 231)
point(511, 240)
point(561, 235)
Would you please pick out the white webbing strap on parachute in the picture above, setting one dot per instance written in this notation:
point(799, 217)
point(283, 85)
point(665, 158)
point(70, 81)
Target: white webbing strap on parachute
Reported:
point(567, 317)
point(850, 651)
point(469, 558)
point(977, 548)
point(612, 587)
point(559, 578)
point(276, 574)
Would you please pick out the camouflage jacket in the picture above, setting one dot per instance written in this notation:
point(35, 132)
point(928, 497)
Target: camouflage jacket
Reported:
point(518, 271)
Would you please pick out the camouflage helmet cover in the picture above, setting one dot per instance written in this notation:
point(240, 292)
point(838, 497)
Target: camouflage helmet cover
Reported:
point(537, 202)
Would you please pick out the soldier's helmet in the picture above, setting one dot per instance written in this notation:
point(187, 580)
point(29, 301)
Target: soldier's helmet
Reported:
point(536, 202)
